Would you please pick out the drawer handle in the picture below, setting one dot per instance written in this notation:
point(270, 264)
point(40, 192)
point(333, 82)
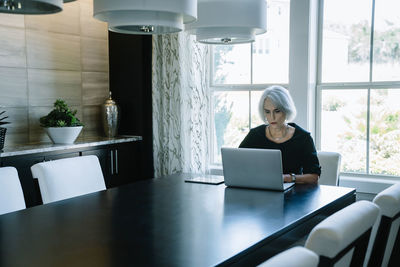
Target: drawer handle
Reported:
point(112, 160)
point(116, 161)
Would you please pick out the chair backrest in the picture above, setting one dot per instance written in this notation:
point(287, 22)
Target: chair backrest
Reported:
point(330, 167)
point(384, 247)
point(293, 257)
point(11, 195)
point(343, 237)
point(70, 177)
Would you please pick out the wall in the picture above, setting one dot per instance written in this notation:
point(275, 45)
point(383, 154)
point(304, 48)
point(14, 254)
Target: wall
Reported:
point(303, 60)
point(45, 57)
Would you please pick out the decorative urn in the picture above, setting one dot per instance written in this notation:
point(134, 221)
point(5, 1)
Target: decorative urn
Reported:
point(110, 117)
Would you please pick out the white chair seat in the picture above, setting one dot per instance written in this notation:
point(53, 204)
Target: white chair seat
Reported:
point(337, 234)
point(11, 195)
point(70, 177)
point(293, 257)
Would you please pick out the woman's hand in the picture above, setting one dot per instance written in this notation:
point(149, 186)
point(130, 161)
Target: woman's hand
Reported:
point(309, 178)
point(287, 178)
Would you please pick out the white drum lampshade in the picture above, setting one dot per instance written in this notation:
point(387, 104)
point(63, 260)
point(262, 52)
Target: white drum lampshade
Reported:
point(145, 16)
point(229, 21)
point(31, 7)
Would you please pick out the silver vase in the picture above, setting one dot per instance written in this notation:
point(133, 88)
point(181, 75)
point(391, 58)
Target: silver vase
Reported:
point(110, 117)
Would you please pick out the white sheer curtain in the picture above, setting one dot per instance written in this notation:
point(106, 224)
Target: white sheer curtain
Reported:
point(181, 104)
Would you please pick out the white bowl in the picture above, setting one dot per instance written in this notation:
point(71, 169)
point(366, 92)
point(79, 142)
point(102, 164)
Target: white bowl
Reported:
point(63, 135)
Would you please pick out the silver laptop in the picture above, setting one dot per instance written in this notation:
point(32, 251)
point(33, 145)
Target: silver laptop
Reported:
point(253, 168)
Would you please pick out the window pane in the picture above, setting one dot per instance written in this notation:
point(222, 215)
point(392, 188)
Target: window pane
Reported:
point(231, 120)
point(232, 64)
point(344, 126)
point(255, 117)
point(346, 39)
point(385, 132)
point(386, 41)
point(271, 49)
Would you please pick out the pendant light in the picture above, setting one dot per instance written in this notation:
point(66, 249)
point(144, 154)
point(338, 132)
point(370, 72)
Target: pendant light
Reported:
point(145, 16)
point(229, 21)
point(31, 7)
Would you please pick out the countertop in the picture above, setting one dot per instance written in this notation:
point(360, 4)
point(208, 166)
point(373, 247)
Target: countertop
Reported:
point(31, 148)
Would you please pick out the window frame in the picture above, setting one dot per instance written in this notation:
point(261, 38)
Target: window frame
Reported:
point(370, 85)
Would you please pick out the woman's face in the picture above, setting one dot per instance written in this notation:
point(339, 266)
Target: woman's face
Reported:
point(275, 117)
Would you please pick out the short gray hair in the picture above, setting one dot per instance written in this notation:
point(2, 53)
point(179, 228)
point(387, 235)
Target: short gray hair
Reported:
point(281, 98)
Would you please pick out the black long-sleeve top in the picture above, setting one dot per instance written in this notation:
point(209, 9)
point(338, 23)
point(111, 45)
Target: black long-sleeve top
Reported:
point(298, 153)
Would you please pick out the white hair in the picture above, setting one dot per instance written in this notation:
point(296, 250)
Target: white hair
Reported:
point(280, 97)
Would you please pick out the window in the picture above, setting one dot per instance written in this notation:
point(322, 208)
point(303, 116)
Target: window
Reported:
point(359, 84)
point(240, 73)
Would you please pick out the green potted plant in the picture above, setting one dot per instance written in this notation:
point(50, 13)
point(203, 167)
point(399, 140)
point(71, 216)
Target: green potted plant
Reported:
point(2, 129)
point(61, 124)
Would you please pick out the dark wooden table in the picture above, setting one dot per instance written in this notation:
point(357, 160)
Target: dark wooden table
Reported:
point(166, 222)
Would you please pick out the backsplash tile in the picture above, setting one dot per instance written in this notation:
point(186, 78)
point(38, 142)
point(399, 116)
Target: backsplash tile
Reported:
point(62, 84)
point(95, 88)
point(67, 21)
point(90, 26)
point(13, 87)
point(12, 43)
point(94, 54)
point(92, 115)
point(47, 50)
point(11, 20)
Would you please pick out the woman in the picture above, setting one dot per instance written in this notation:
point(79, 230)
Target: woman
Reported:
point(299, 157)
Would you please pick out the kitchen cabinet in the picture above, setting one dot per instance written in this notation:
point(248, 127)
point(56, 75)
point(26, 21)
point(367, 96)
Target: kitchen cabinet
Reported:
point(120, 163)
point(130, 59)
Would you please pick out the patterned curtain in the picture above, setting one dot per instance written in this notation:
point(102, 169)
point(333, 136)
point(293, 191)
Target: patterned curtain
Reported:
point(181, 104)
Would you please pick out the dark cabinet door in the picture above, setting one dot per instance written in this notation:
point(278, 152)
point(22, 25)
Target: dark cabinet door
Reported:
point(29, 185)
point(104, 156)
point(126, 164)
point(130, 58)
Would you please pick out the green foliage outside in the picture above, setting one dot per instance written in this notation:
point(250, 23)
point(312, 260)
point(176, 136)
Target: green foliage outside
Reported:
point(60, 116)
point(386, 43)
point(384, 139)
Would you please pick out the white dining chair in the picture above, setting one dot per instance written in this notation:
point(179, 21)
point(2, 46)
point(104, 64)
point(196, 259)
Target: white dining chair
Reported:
point(342, 238)
point(70, 177)
point(11, 195)
point(330, 167)
point(384, 247)
point(293, 257)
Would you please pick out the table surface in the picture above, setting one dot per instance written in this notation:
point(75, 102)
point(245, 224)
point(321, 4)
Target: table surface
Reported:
point(158, 222)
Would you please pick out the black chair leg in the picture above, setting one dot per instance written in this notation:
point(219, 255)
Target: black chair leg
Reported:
point(379, 247)
point(394, 260)
point(360, 250)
